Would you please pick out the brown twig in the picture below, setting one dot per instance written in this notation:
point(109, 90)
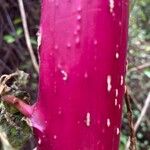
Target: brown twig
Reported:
point(3, 81)
point(27, 36)
point(140, 67)
point(132, 143)
point(143, 112)
point(138, 105)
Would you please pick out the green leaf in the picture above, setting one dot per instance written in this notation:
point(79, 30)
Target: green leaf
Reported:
point(123, 139)
point(147, 72)
point(19, 31)
point(17, 21)
point(33, 41)
point(9, 39)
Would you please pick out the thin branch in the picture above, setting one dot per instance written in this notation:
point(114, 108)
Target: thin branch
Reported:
point(132, 139)
point(13, 30)
point(5, 66)
point(27, 36)
point(140, 67)
point(5, 142)
point(143, 112)
point(137, 47)
point(138, 105)
point(132, 4)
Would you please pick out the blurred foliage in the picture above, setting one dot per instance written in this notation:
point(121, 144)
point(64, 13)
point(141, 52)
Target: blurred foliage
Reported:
point(15, 133)
point(14, 55)
point(138, 80)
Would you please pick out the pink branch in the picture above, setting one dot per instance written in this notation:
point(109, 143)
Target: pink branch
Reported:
point(24, 108)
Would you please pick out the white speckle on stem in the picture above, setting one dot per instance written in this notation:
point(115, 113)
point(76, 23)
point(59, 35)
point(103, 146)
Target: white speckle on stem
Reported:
point(119, 106)
point(79, 8)
point(65, 75)
point(98, 142)
point(116, 101)
point(117, 55)
point(108, 122)
point(116, 92)
point(78, 27)
point(59, 111)
point(56, 47)
point(68, 44)
point(118, 131)
point(77, 40)
point(55, 137)
point(95, 42)
point(117, 46)
point(75, 32)
point(39, 141)
point(109, 86)
point(121, 80)
point(120, 23)
point(39, 38)
point(79, 17)
point(88, 119)
point(113, 14)
point(85, 75)
point(111, 5)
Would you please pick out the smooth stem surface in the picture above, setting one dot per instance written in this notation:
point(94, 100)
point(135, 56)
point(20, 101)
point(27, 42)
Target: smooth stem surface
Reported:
point(82, 67)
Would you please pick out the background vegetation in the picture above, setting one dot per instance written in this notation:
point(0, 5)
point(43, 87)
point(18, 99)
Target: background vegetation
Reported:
point(14, 54)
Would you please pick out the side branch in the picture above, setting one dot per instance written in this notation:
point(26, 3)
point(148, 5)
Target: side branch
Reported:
point(140, 67)
point(24, 108)
point(143, 112)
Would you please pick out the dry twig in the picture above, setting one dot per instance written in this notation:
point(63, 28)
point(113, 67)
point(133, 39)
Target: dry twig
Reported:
point(140, 67)
point(132, 140)
point(4, 141)
point(143, 112)
point(24, 108)
point(27, 36)
point(138, 106)
point(3, 79)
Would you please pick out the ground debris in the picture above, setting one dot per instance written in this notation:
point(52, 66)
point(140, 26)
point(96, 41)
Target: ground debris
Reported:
point(12, 123)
